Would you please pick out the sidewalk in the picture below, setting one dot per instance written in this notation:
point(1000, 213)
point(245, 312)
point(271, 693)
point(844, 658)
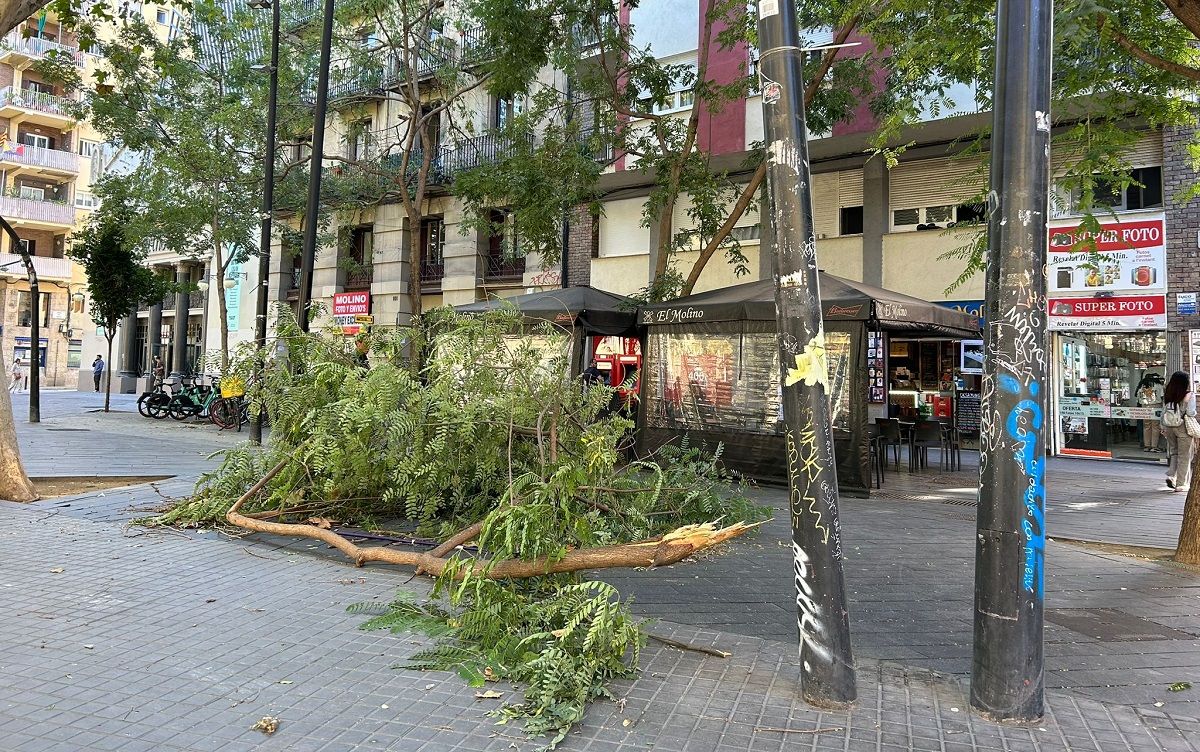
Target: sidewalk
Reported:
point(172, 641)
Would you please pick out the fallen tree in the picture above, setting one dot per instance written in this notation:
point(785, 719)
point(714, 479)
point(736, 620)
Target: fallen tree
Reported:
point(515, 478)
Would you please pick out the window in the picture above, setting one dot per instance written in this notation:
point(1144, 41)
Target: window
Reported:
point(88, 148)
point(360, 138)
point(39, 87)
point(742, 234)
point(34, 139)
point(506, 108)
point(84, 200)
point(1145, 192)
point(433, 241)
point(851, 220)
point(359, 267)
point(74, 353)
point(29, 246)
point(931, 217)
point(25, 311)
point(160, 16)
point(32, 193)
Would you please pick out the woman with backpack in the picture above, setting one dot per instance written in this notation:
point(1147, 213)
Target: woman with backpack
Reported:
point(1180, 428)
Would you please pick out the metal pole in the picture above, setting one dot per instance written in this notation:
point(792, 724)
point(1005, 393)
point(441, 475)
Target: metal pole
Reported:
point(1006, 673)
point(309, 250)
point(268, 205)
point(827, 668)
point(35, 326)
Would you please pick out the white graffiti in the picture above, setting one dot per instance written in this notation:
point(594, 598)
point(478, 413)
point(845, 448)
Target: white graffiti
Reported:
point(783, 152)
point(809, 620)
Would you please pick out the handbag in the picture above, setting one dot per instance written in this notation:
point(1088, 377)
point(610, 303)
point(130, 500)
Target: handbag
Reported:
point(1192, 426)
point(1172, 417)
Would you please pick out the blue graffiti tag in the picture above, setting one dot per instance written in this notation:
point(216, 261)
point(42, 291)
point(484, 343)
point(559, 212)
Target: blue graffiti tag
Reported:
point(1024, 423)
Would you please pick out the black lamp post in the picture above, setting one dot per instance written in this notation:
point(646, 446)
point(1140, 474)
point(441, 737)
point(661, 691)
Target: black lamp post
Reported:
point(268, 202)
point(35, 325)
point(309, 249)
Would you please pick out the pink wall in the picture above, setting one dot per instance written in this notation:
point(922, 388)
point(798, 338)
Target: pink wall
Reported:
point(724, 131)
point(862, 120)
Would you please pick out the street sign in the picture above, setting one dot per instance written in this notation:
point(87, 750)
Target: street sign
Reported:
point(1185, 302)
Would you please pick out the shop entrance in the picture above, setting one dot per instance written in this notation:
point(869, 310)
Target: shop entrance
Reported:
point(1108, 394)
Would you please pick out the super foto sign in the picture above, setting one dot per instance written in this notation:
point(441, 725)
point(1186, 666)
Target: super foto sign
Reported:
point(1107, 314)
point(347, 305)
point(1125, 256)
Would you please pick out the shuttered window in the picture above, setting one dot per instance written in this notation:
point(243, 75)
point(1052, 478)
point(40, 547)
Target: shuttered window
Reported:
point(935, 182)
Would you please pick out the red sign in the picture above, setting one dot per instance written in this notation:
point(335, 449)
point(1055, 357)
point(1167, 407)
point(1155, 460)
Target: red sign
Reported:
point(351, 303)
point(1113, 236)
point(1124, 256)
point(1132, 312)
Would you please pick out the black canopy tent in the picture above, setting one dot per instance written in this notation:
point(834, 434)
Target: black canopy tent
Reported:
point(584, 310)
point(711, 369)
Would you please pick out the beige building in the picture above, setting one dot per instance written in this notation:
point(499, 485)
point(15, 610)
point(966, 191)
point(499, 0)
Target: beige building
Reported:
point(45, 158)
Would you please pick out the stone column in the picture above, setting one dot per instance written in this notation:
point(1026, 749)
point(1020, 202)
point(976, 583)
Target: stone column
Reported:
point(129, 353)
point(154, 332)
point(875, 219)
point(179, 333)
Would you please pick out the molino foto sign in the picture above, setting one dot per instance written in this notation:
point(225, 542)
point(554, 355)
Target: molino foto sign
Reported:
point(1128, 255)
point(348, 305)
point(1130, 313)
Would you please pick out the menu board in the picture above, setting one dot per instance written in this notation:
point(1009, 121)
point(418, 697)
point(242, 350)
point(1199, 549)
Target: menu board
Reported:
point(967, 411)
point(876, 368)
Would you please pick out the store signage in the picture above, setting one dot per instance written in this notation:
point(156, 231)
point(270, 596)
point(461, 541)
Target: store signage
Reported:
point(347, 306)
point(1185, 303)
point(1194, 338)
point(1123, 256)
point(1131, 312)
point(969, 307)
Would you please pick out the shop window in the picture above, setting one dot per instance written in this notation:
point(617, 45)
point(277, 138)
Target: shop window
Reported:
point(25, 309)
point(850, 220)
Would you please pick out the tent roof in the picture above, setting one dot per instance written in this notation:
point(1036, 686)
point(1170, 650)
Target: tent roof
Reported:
point(594, 311)
point(841, 300)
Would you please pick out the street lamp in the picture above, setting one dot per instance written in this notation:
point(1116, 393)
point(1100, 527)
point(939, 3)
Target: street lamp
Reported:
point(268, 200)
point(202, 285)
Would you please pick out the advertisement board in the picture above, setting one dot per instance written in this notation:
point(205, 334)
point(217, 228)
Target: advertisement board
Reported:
point(1126, 255)
point(1116, 313)
point(347, 306)
point(1194, 359)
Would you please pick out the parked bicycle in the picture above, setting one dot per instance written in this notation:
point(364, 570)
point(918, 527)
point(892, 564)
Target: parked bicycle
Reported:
point(193, 399)
point(231, 409)
point(154, 403)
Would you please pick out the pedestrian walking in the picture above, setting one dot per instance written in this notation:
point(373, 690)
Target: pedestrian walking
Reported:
point(1180, 428)
point(1148, 396)
point(14, 376)
point(97, 371)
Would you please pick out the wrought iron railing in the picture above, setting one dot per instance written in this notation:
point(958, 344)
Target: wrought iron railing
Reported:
point(432, 274)
point(503, 267)
point(360, 276)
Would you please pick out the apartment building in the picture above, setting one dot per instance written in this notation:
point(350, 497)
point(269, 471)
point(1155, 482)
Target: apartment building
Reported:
point(45, 157)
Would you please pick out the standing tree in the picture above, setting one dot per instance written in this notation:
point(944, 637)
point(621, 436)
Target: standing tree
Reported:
point(192, 107)
point(14, 483)
point(118, 281)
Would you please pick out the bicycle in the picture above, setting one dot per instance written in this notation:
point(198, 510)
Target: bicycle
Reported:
point(193, 400)
point(154, 403)
point(229, 412)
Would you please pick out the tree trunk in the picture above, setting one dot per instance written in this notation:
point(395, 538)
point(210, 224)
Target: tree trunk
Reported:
point(14, 483)
point(1188, 550)
point(414, 265)
point(222, 304)
point(13, 12)
point(109, 331)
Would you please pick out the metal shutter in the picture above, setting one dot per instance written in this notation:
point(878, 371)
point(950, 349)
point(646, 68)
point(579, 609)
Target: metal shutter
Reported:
point(935, 182)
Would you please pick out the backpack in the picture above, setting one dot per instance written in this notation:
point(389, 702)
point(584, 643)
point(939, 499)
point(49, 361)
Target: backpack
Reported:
point(1172, 417)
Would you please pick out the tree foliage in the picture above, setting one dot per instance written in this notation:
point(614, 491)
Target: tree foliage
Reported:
point(487, 430)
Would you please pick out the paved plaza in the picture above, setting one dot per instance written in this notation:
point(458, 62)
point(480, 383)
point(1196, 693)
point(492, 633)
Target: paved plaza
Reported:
point(119, 638)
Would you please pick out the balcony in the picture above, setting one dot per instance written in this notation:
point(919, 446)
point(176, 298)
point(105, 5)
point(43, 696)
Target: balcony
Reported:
point(16, 49)
point(28, 211)
point(24, 104)
point(11, 265)
point(489, 148)
point(432, 275)
point(504, 269)
point(41, 159)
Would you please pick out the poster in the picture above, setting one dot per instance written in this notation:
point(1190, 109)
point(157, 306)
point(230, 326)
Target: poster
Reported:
point(1124, 256)
point(971, 356)
point(1194, 359)
point(1117, 313)
point(876, 368)
point(347, 305)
